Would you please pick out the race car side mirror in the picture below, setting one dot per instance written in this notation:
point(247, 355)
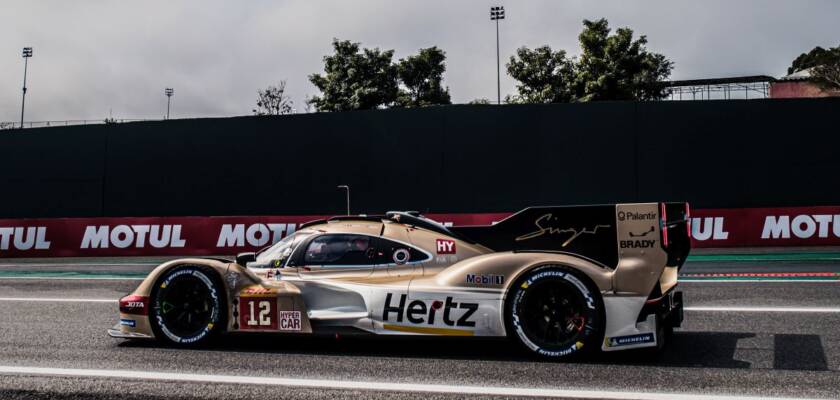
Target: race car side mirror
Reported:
point(244, 258)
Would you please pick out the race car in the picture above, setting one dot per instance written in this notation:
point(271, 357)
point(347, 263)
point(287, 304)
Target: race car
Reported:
point(561, 281)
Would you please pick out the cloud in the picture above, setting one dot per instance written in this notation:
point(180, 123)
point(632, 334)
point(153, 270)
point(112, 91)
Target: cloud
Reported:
point(93, 57)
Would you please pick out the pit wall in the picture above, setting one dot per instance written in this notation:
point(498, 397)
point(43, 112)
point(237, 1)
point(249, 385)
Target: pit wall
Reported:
point(196, 236)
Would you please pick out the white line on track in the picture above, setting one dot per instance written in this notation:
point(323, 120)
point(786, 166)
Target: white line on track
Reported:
point(362, 385)
point(57, 300)
point(767, 309)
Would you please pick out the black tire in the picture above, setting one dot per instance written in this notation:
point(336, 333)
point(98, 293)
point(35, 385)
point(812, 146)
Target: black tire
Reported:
point(555, 312)
point(188, 306)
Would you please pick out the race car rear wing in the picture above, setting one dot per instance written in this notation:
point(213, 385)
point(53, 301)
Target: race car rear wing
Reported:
point(590, 231)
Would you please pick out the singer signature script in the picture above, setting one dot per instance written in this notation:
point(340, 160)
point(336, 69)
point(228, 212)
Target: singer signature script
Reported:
point(543, 224)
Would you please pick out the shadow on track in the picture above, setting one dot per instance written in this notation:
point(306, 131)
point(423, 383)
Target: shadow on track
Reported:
point(684, 350)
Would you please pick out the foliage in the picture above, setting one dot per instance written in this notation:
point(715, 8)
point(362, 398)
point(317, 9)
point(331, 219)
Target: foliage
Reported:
point(610, 67)
point(824, 65)
point(544, 76)
point(273, 101)
point(817, 56)
point(422, 77)
point(480, 101)
point(355, 79)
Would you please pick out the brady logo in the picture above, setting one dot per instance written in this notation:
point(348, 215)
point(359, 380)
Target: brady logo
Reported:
point(802, 226)
point(625, 215)
point(485, 279)
point(123, 236)
point(257, 235)
point(24, 238)
point(708, 228)
point(445, 246)
point(636, 244)
point(419, 312)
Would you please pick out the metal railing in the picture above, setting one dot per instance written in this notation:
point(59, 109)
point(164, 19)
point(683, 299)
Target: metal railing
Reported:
point(5, 125)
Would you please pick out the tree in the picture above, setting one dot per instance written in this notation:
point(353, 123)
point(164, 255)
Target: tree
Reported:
point(824, 65)
point(480, 101)
point(544, 76)
point(273, 101)
point(615, 67)
point(355, 79)
point(422, 77)
point(817, 56)
point(827, 75)
point(610, 67)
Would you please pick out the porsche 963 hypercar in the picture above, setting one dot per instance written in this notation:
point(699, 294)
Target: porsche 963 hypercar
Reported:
point(558, 280)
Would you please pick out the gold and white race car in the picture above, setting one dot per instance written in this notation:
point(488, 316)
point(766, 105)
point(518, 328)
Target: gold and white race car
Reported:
point(559, 280)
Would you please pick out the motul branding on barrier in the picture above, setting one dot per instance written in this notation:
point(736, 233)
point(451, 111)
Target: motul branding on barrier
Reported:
point(187, 236)
point(24, 238)
point(257, 235)
point(124, 236)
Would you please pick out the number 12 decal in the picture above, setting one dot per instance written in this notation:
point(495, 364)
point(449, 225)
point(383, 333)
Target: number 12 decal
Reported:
point(257, 313)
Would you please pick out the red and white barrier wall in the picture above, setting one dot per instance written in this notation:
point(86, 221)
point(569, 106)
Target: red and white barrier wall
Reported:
point(183, 236)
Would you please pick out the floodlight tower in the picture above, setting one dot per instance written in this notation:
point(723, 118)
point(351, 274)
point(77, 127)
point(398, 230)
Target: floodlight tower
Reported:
point(169, 92)
point(497, 13)
point(27, 53)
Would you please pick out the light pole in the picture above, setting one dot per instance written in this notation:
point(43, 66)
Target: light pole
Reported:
point(27, 52)
point(497, 13)
point(169, 92)
point(347, 189)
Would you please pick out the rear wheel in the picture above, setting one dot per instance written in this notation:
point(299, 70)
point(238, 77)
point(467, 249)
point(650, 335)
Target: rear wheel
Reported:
point(555, 312)
point(187, 306)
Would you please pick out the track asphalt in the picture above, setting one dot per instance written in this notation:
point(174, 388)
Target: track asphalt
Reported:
point(767, 349)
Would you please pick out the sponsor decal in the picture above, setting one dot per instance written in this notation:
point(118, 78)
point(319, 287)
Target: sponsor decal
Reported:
point(252, 291)
point(289, 321)
point(545, 226)
point(133, 304)
point(422, 312)
point(135, 236)
point(485, 279)
point(636, 244)
point(24, 238)
point(401, 256)
point(128, 322)
point(258, 313)
point(633, 216)
point(445, 246)
point(643, 234)
point(618, 341)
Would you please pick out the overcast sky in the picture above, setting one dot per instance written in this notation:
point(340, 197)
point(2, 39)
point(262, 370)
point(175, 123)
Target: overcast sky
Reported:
point(91, 57)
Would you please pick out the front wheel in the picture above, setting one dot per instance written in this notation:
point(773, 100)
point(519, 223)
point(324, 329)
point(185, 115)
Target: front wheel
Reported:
point(187, 306)
point(555, 312)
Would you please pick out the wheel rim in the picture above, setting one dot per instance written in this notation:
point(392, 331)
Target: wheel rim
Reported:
point(551, 313)
point(185, 306)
